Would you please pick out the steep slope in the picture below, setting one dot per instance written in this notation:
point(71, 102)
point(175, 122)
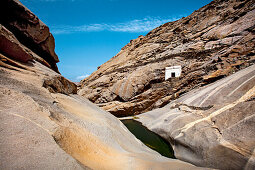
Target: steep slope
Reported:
point(213, 42)
point(29, 30)
point(44, 124)
point(212, 126)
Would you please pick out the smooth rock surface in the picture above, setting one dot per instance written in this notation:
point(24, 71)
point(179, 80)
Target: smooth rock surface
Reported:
point(43, 130)
point(211, 126)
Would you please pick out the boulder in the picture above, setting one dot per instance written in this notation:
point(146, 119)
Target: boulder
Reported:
point(59, 84)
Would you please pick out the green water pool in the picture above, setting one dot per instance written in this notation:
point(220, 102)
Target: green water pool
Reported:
point(149, 138)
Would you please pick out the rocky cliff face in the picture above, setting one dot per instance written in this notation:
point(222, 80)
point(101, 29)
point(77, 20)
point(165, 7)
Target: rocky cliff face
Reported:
point(29, 31)
point(43, 123)
point(213, 42)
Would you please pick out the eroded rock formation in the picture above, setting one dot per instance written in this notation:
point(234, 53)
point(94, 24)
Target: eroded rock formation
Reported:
point(211, 126)
point(213, 42)
point(29, 30)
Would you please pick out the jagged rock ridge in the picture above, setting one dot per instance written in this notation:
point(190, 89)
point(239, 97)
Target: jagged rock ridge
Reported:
point(213, 42)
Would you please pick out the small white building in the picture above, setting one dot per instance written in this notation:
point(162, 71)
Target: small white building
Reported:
point(174, 71)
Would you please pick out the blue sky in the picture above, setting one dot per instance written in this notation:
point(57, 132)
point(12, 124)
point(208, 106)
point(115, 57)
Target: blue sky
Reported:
point(90, 32)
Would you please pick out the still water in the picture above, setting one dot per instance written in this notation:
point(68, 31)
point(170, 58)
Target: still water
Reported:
point(149, 138)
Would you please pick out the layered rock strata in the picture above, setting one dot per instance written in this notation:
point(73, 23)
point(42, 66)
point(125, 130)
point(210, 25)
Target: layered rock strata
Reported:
point(29, 30)
point(213, 42)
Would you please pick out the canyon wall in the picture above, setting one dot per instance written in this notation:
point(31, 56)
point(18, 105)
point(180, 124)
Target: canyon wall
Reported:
point(213, 42)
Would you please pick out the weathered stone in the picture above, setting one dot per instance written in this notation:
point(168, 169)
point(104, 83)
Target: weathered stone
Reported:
point(43, 130)
point(59, 84)
point(53, 127)
point(11, 47)
point(211, 126)
point(209, 44)
point(29, 30)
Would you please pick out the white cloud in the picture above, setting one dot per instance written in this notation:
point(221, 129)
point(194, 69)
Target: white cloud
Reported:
point(142, 25)
point(79, 78)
